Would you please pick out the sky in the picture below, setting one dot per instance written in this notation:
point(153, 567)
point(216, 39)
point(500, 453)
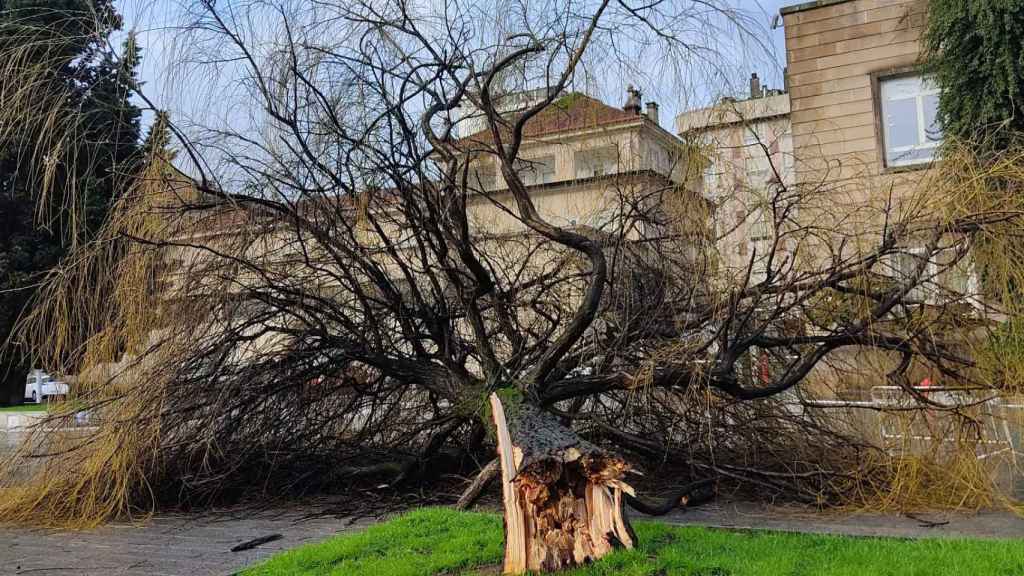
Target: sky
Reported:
point(762, 50)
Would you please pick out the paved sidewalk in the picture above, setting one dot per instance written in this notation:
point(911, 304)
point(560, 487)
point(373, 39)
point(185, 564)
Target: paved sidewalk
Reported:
point(746, 515)
point(171, 545)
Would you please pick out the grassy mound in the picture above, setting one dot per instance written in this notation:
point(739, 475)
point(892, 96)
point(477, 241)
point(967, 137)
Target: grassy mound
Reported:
point(437, 541)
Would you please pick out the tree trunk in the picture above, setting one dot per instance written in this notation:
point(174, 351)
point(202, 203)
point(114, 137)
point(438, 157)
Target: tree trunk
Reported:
point(562, 495)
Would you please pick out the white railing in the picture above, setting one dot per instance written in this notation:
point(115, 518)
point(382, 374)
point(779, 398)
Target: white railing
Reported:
point(916, 415)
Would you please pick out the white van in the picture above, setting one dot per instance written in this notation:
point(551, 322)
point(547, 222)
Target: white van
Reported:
point(40, 385)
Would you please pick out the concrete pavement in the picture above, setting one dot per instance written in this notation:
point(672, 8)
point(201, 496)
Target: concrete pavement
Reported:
point(746, 515)
point(168, 545)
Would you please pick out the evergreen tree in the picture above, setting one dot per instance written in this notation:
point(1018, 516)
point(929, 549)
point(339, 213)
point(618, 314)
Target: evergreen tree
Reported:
point(67, 40)
point(157, 143)
point(975, 51)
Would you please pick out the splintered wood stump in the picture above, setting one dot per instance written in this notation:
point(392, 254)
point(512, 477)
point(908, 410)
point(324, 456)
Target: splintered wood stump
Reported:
point(562, 495)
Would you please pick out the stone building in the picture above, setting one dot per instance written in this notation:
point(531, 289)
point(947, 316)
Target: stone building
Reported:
point(854, 136)
point(584, 161)
point(864, 120)
point(861, 112)
point(748, 148)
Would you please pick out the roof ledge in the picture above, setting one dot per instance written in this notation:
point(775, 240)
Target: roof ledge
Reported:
point(793, 9)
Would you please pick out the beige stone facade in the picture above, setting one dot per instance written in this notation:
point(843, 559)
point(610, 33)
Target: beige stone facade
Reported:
point(842, 56)
point(852, 135)
point(865, 134)
point(748, 151)
point(584, 163)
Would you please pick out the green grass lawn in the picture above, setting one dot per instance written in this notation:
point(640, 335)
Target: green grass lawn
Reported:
point(435, 541)
point(24, 408)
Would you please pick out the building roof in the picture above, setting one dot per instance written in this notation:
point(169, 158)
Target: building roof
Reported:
point(794, 8)
point(728, 112)
point(572, 112)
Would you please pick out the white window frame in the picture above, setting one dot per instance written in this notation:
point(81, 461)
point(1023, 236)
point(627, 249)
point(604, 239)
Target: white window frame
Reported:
point(890, 155)
point(756, 147)
point(595, 162)
point(760, 238)
point(920, 292)
point(935, 283)
point(971, 284)
point(484, 175)
point(712, 180)
point(536, 171)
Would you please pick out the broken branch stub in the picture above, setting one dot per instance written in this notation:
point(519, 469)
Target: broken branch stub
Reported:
point(562, 495)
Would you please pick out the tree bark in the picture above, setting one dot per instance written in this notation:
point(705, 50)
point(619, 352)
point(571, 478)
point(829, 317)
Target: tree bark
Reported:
point(563, 496)
point(487, 473)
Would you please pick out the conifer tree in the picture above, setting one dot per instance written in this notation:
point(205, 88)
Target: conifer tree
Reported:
point(69, 41)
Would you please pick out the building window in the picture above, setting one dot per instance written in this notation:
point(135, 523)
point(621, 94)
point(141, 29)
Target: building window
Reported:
point(946, 275)
point(536, 170)
point(758, 164)
point(483, 176)
point(907, 263)
point(761, 234)
point(711, 181)
point(910, 129)
point(962, 279)
point(596, 162)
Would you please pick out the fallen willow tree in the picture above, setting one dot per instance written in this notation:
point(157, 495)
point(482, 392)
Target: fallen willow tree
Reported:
point(321, 288)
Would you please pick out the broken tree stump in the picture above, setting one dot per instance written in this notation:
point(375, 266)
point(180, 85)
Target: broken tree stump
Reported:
point(562, 495)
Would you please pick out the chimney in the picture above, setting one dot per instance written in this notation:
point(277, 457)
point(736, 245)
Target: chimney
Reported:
point(652, 112)
point(755, 86)
point(632, 100)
